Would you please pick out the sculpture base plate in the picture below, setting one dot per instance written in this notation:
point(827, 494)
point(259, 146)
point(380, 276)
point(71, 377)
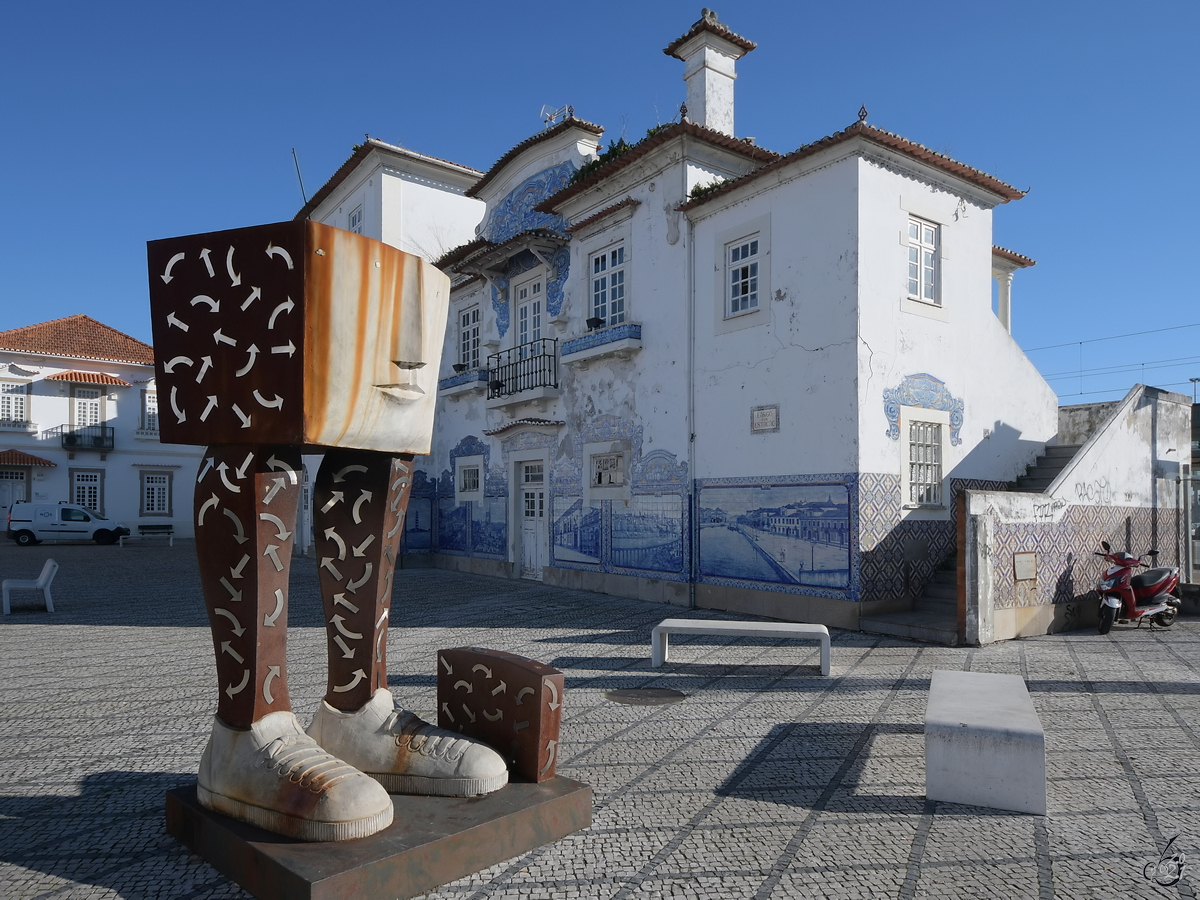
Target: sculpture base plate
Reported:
point(432, 841)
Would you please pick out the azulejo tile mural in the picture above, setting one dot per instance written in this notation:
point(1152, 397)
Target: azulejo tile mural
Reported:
point(924, 391)
point(792, 532)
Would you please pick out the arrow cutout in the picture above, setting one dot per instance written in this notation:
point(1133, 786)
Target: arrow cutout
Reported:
point(255, 293)
point(234, 278)
point(234, 594)
point(226, 648)
point(347, 650)
point(340, 600)
point(470, 714)
point(253, 351)
point(173, 319)
point(286, 306)
point(180, 415)
point(332, 535)
point(554, 704)
point(273, 250)
point(552, 747)
point(236, 571)
point(272, 674)
point(208, 464)
point(212, 404)
point(359, 675)
point(499, 714)
point(269, 621)
point(522, 692)
point(211, 503)
point(222, 468)
point(204, 255)
point(166, 275)
point(282, 534)
point(240, 537)
point(340, 474)
point(205, 365)
point(277, 403)
point(501, 688)
point(241, 415)
point(445, 665)
point(364, 497)
point(487, 673)
point(327, 563)
point(361, 549)
point(241, 470)
point(274, 489)
point(446, 710)
point(213, 305)
point(178, 361)
point(333, 499)
point(231, 690)
point(238, 630)
point(219, 337)
point(463, 684)
point(275, 464)
point(337, 623)
point(289, 348)
point(353, 586)
point(273, 552)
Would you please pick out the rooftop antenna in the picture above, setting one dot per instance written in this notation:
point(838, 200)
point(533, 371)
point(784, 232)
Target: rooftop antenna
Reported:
point(550, 114)
point(299, 178)
point(1193, 381)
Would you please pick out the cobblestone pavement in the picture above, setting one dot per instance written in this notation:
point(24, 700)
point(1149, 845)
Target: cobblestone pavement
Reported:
point(767, 781)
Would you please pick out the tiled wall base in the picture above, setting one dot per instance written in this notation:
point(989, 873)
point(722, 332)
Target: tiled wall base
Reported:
point(655, 590)
point(497, 568)
point(788, 607)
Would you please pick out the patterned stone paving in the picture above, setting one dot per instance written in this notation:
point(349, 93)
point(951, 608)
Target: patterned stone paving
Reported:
point(767, 781)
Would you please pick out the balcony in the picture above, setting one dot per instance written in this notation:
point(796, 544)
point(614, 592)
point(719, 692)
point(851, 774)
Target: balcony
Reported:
point(19, 425)
point(463, 382)
point(523, 374)
point(616, 341)
point(89, 437)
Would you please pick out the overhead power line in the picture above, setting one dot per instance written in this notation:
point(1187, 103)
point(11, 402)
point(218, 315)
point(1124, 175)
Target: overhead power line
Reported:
point(1115, 337)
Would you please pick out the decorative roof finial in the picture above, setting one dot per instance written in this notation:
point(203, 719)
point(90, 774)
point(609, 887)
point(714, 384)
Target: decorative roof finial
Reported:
point(570, 112)
point(862, 113)
point(683, 112)
point(708, 14)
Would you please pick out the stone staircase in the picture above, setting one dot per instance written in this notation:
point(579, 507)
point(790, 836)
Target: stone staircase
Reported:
point(934, 615)
point(1039, 476)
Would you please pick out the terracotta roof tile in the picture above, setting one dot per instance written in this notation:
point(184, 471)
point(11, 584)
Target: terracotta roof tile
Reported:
point(1018, 259)
point(21, 458)
point(709, 23)
point(553, 131)
point(518, 423)
point(644, 146)
point(884, 139)
point(78, 337)
point(480, 247)
point(360, 153)
point(78, 377)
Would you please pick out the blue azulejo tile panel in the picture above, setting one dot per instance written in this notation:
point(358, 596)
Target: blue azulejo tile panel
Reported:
point(787, 534)
point(418, 524)
point(602, 336)
point(576, 531)
point(489, 533)
point(451, 525)
point(648, 533)
point(467, 377)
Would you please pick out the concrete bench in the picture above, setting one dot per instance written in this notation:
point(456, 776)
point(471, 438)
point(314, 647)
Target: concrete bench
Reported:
point(41, 583)
point(660, 647)
point(984, 744)
point(167, 531)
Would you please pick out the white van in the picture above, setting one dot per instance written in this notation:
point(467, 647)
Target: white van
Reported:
point(32, 523)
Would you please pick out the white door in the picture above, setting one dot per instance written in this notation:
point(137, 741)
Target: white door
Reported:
point(535, 551)
point(529, 313)
point(12, 490)
point(85, 490)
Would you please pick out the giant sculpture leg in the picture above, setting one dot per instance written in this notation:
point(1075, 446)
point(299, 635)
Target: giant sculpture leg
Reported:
point(359, 501)
point(259, 765)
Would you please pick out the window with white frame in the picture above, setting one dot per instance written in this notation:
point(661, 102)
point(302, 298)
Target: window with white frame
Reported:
point(468, 479)
point(608, 469)
point(468, 337)
point(608, 285)
point(924, 463)
point(742, 276)
point(87, 490)
point(923, 240)
point(529, 312)
point(14, 402)
point(355, 221)
point(156, 494)
point(87, 407)
point(150, 411)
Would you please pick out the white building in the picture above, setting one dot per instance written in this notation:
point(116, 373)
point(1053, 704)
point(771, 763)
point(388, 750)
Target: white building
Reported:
point(79, 424)
point(696, 371)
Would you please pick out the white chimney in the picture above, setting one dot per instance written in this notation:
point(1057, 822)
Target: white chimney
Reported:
point(710, 52)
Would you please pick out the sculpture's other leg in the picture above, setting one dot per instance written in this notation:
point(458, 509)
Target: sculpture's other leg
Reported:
point(259, 765)
point(359, 501)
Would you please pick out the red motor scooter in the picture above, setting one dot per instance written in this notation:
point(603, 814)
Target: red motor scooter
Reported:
point(1125, 597)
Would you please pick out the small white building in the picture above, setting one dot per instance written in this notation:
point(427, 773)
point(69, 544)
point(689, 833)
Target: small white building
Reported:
point(79, 424)
point(693, 370)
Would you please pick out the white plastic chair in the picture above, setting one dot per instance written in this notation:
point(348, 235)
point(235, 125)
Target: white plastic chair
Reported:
point(41, 583)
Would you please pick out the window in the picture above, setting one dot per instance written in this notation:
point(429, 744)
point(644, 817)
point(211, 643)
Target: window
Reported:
point(14, 403)
point(156, 494)
point(532, 473)
point(924, 463)
point(87, 407)
point(355, 222)
point(87, 490)
point(468, 479)
point(73, 515)
point(608, 469)
point(608, 285)
point(468, 337)
point(529, 312)
point(923, 239)
point(150, 411)
point(743, 276)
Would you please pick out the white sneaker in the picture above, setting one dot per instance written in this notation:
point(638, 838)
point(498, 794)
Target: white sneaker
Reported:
point(406, 754)
point(276, 777)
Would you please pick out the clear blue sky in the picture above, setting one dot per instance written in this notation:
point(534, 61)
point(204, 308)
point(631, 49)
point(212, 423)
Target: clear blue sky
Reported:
point(125, 122)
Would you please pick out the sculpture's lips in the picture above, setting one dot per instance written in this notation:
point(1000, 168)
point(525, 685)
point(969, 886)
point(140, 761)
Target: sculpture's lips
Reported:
point(405, 391)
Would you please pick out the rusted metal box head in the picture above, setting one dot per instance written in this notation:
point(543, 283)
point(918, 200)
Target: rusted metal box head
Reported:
point(295, 333)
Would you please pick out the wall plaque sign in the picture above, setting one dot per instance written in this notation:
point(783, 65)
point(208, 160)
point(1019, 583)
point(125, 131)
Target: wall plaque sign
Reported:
point(764, 419)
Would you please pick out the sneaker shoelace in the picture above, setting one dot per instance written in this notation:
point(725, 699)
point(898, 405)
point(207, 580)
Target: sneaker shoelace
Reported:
point(422, 737)
point(302, 761)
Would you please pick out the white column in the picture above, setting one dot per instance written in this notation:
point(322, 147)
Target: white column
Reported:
point(1004, 306)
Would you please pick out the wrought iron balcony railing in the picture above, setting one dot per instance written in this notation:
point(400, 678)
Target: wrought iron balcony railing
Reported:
point(523, 368)
point(88, 437)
